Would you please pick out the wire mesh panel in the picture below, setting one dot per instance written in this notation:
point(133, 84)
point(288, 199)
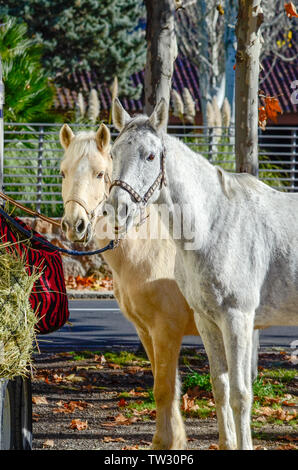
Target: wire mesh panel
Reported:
point(32, 155)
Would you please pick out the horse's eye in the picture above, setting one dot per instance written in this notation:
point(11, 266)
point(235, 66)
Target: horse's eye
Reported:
point(62, 174)
point(100, 175)
point(151, 157)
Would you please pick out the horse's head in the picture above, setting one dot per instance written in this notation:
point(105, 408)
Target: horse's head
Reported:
point(85, 169)
point(138, 163)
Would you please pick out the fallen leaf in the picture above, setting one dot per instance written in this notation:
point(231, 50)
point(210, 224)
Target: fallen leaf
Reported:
point(145, 443)
point(288, 403)
point(265, 411)
point(74, 378)
point(40, 401)
point(134, 369)
point(287, 447)
point(57, 378)
point(270, 400)
point(78, 424)
point(137, 393)
point(113, 439)
point(288, 438)
point(114, 366)
point(48, 443)
point(120, 420)
point(213, 447)
point(188, 404)
point(122, 403)
point(101, 359)
point(130, 448)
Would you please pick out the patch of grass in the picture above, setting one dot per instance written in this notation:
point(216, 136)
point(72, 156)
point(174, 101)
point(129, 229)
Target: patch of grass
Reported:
point(149, 398)
point(82, 355)
point(187, 359)
point(283, 375)
point(201, 410)
point(126, 358)
point(264, 387)
point(141, 405)
point(197, 380)
point(262, 436)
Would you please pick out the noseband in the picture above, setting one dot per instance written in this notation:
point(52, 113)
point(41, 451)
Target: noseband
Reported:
point(90, 214)
point(160, 181)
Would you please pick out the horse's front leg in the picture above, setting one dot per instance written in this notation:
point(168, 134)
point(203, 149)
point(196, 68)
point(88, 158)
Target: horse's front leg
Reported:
point(214, 346)
point(170, 431)
point(237, 331)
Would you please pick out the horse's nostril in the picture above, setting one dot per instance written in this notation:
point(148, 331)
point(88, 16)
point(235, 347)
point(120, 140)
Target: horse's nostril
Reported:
point(80, 227)
point(123, 210)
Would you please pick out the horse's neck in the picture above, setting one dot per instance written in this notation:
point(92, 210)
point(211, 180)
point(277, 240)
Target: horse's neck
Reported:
point(131, 250)
point(112, 257)
point(192, 185)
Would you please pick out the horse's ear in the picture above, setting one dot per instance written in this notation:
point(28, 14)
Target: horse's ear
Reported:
point(159, 117)
point(66, 135)
point(103, 138)
point(120, 116)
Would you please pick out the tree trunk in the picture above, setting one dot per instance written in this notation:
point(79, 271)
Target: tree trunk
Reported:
point(230, 48)
point(250, 17)
point(161, 51)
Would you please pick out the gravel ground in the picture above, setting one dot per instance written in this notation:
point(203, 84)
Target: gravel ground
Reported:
point(94, 384)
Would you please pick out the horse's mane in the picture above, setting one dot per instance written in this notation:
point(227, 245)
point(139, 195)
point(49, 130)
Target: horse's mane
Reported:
point(232, 183)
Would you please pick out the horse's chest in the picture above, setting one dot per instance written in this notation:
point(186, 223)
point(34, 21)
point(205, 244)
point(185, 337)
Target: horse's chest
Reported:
point(189, 280)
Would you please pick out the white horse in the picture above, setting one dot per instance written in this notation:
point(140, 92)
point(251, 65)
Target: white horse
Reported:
point(143, 274)
point(239, 268)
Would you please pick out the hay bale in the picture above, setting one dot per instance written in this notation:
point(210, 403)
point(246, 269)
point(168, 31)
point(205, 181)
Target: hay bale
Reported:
point(17, 319)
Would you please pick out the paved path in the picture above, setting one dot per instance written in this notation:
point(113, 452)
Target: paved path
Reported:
point(98, 324)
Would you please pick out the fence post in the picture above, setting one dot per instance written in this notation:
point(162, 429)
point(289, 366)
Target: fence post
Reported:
point(1, 126)
point(210, 138)
point(39, 168)
point(293, 158)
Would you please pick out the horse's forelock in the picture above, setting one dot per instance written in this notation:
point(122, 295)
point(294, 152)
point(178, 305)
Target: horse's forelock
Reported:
point(139, 123)
point(83, 144)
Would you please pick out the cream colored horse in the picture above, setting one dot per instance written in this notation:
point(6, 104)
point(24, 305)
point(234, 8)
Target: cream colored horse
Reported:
point(143, 274)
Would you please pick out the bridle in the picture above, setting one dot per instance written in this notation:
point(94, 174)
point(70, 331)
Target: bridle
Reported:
point(159, 181)
point(91, 214)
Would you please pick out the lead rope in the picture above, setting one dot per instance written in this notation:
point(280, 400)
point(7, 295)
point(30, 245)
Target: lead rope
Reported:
point(30, 236)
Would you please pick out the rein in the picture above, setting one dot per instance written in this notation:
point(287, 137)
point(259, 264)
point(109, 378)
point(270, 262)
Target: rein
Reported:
point(29, 211)
point(160, 180)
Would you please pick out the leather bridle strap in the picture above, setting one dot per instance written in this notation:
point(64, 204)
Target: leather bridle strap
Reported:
point(90, 214)
point(160, 180)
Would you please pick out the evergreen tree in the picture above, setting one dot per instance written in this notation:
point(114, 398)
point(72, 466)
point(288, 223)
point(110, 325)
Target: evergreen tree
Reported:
point(28, 94)
point(99, 35)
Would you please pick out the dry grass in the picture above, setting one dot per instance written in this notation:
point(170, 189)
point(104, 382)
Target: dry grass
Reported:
point(17, 319)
